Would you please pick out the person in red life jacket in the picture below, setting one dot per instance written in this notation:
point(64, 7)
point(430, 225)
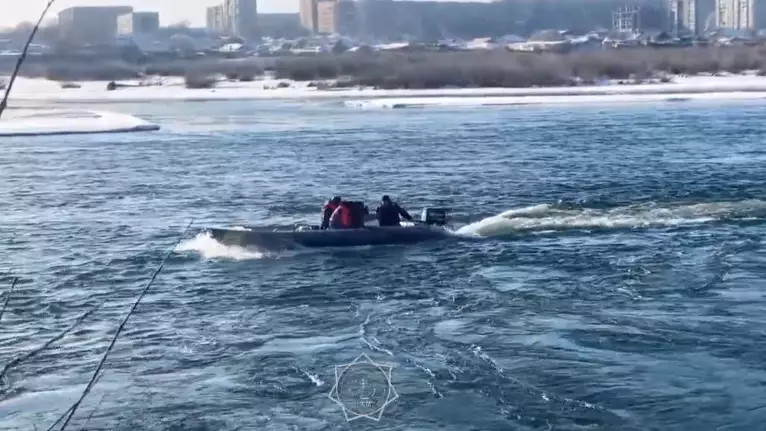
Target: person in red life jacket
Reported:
point(343, 217)
point(327, 210)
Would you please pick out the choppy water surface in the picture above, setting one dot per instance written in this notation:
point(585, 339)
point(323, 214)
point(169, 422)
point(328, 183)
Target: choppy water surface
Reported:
point(619, 286)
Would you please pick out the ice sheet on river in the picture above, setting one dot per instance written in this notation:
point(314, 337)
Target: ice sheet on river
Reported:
point(628, 98)
point(46, 121)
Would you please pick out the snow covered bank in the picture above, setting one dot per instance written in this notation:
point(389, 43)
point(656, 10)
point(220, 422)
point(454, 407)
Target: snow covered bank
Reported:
point(39, 122)
point(170, 89)
point(173, 89)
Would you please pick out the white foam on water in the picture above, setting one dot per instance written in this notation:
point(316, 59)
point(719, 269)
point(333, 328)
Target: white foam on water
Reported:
point(48, 121)
point(314, 378)
point(306, 345)
point(548, 217)
point(209, 248)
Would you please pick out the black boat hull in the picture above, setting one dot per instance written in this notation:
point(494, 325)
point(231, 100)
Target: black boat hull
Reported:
point(281, 240)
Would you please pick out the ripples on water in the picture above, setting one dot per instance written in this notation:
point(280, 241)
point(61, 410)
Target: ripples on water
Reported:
point(619, 287)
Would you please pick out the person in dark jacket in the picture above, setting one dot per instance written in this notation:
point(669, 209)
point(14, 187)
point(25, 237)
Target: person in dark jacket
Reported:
point(327, 210)
point(388, 213)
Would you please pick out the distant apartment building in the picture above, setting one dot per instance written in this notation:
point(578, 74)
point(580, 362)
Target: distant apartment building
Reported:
point(216, 21)
point(234, 18)
point(741, 14)
point(90, 24)
point(308, 10)
point(138, 23)
point(692, 16)
point(244, 18)
point(326, 21)
point(728, 12)
point(430, 20)
point(328, 16)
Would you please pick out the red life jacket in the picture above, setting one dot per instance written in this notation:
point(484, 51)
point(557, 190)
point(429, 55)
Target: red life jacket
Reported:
point(346, 214)
point(330, 206)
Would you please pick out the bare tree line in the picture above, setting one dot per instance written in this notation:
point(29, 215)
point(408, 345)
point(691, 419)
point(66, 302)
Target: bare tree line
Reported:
point(430, 69)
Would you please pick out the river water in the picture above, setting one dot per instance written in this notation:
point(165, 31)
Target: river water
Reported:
point(618, 283)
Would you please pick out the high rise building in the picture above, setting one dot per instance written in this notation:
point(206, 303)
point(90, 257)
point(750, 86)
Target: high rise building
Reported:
point(347, 18)
point(741, 14)
point(691, 16)
point(234, 18)
point(216, 22)
point(326, 16)
point(329, 16)
point(244, 18)
point(90, 24)
point(726, 14)
point(138, 23)
point(309, 15)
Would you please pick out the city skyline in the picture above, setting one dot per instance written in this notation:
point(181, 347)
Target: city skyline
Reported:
point(171, 11)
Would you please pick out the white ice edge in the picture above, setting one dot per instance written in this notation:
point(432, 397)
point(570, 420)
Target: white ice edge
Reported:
point(173, 89)
point(45, 121)
point(424, 102)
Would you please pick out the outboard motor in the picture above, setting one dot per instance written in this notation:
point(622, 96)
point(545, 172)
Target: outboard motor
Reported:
point(434, 216)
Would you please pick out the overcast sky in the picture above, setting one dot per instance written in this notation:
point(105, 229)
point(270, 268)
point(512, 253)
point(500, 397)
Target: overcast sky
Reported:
point(171, 11)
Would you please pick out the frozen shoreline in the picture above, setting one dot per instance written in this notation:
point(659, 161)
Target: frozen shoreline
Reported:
point(23, 121)
point(43, 121)
point(463, 102)
point(734, 87)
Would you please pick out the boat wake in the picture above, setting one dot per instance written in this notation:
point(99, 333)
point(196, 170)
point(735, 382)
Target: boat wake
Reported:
point(206, 246)
point(552, 217)
point(209, 248)
point(544, 218)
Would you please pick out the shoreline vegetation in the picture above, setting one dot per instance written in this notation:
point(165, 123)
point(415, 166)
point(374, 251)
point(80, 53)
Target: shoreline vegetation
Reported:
point(396, 70)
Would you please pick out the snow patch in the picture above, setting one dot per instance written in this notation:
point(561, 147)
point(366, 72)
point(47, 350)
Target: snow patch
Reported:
point(174, 89)
point(45, 121)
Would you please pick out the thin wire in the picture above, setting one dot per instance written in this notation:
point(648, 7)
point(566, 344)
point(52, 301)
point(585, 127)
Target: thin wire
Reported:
point(72, 410)
point(90, 416)
point(34, 352)
point(50, 428)
point(22, 57)
point(8, 297)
